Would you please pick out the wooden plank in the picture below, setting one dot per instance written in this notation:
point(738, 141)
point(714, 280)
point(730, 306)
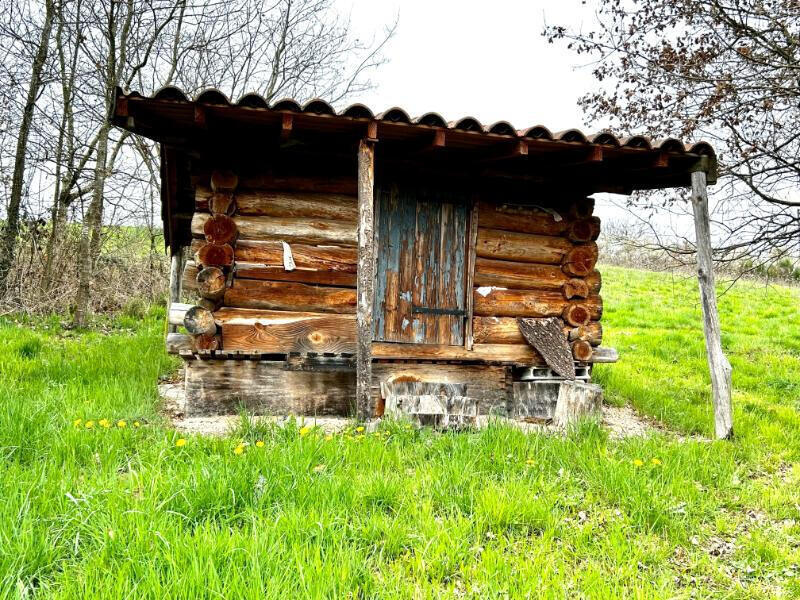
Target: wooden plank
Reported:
point(294, 230)
point(222, 387)
point(244, 270)
point(285, 332)
point(500, 353)
point(718, 364)
point(521, 218)
point(366, 276)
point(277, 295)
point(178, 342)
point(472, 238)
point(531, 303)
point(426, 248)
point(270, 253)
point(288, 204)
point(522, 247)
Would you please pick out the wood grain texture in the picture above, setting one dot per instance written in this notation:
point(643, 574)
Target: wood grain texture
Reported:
point(501, 353)
point(505, 330)
point(178, 342)
point(199, 321)
point(278, 295)
point(581, 350)
point(471, 257)
point(215, 255)
point(580, 260)
point(211, 283)
point(366, 276)
point(220, 387)
point(293, 230)
point(294, 204)
point(522, 247)
point(531, 303)
point(284, 332)
point(270, 253)
point(219, 229)
point(224, 181)
point(520, 218)
point(519, 275)
point(244, 270)
point(584, 230)
point(576, 314)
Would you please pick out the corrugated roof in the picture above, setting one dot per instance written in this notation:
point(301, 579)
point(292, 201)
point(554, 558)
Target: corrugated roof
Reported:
point(360, 112)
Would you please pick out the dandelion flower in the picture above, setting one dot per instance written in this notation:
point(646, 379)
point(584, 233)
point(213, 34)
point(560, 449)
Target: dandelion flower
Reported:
point(77, 422)
point(529, 462)
point(181, 442)
point(104, 423)
point(239, 450)
point(89, 424)
point(655, 461)
point(328, 437)
point(121, 424)
point(136, 424)
point(304, 430)
point(360, 428)
point(319, 468)
point(259, 444)
point(638, 462)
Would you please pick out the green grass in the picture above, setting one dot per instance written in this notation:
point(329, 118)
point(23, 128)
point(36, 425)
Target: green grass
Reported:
point(126, 513)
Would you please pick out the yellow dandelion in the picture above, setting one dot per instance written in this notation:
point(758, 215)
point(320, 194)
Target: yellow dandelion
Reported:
point(136, 424)
point(180, 443)
point(305, 430)
point(655, 461)
point(259, 444)
point(638, 462)
point(77, 422)
point(104, 423)
point(121, 424)
point(238, 450)
point(328, 437)
point(89, 424)
point(319, 468)
point(360, 428)
point(529, 462)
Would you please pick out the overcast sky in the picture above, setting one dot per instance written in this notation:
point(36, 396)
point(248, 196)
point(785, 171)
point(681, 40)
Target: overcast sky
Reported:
point(483, 59)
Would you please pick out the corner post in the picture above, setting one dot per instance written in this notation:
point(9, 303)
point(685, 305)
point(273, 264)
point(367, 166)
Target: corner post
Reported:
point(175, 272)
point(366, 276)
point(718, 364)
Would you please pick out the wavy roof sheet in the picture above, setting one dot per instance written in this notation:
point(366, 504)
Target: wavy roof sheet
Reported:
point(395, 114)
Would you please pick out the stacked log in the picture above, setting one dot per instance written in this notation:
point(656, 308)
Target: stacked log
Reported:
point(285, 248)
point(533, 261)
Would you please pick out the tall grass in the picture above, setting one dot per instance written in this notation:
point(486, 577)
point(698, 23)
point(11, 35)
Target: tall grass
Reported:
point(126, 512)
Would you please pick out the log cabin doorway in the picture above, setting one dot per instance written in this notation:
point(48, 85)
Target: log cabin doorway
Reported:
point(420, 294)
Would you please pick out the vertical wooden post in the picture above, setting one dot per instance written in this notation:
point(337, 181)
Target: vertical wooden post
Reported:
point(366, 277)
point(717, 361)
point(175, 271)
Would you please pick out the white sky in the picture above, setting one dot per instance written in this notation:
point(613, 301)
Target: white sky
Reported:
point(483, 59)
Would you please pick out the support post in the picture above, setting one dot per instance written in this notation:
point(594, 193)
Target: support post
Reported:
point(717, 361)
point(175, 272)
point(366, 277)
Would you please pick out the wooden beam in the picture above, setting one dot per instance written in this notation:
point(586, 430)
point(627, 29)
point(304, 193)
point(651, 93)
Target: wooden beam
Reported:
point(175, 271)
point(520, 354)
point(287, 121)
point(470, 278)
point(366, 276)
point(717, 361)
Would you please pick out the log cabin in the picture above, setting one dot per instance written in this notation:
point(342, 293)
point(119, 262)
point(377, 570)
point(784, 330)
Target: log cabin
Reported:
point(330, 257)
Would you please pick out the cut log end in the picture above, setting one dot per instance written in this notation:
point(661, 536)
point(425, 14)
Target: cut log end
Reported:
point(221, 203)
point(206, 342)
point(211, 283)
point(581, 350)
point(224, 181)
point(199, 321)
point(215, 255)
point(576, 315)
point(575, 288)
point(580, 261)
point(584, 230)
point(220, 229)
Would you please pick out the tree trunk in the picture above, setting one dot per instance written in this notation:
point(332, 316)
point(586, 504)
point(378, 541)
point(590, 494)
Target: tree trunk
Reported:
point(10, 232)
point(717, 361)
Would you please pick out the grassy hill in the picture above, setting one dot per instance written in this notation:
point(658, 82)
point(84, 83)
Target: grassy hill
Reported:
point(133, 511)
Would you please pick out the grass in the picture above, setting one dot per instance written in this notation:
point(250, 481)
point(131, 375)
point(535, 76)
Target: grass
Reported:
point(127, 512)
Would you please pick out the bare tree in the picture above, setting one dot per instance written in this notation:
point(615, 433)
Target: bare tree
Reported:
point(723, 70)
point(8, 239)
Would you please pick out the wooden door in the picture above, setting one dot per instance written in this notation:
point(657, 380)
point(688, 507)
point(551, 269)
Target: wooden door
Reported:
point(420, 280)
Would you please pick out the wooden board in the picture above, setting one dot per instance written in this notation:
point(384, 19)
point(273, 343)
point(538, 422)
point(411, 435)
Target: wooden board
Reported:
point(288, 204)
point(220, 387)
point(275, 295)
point(282, 332)
point(522, 247)
point(245, 270)
point(297, 229)
point(521, 354)
point(531, 303)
